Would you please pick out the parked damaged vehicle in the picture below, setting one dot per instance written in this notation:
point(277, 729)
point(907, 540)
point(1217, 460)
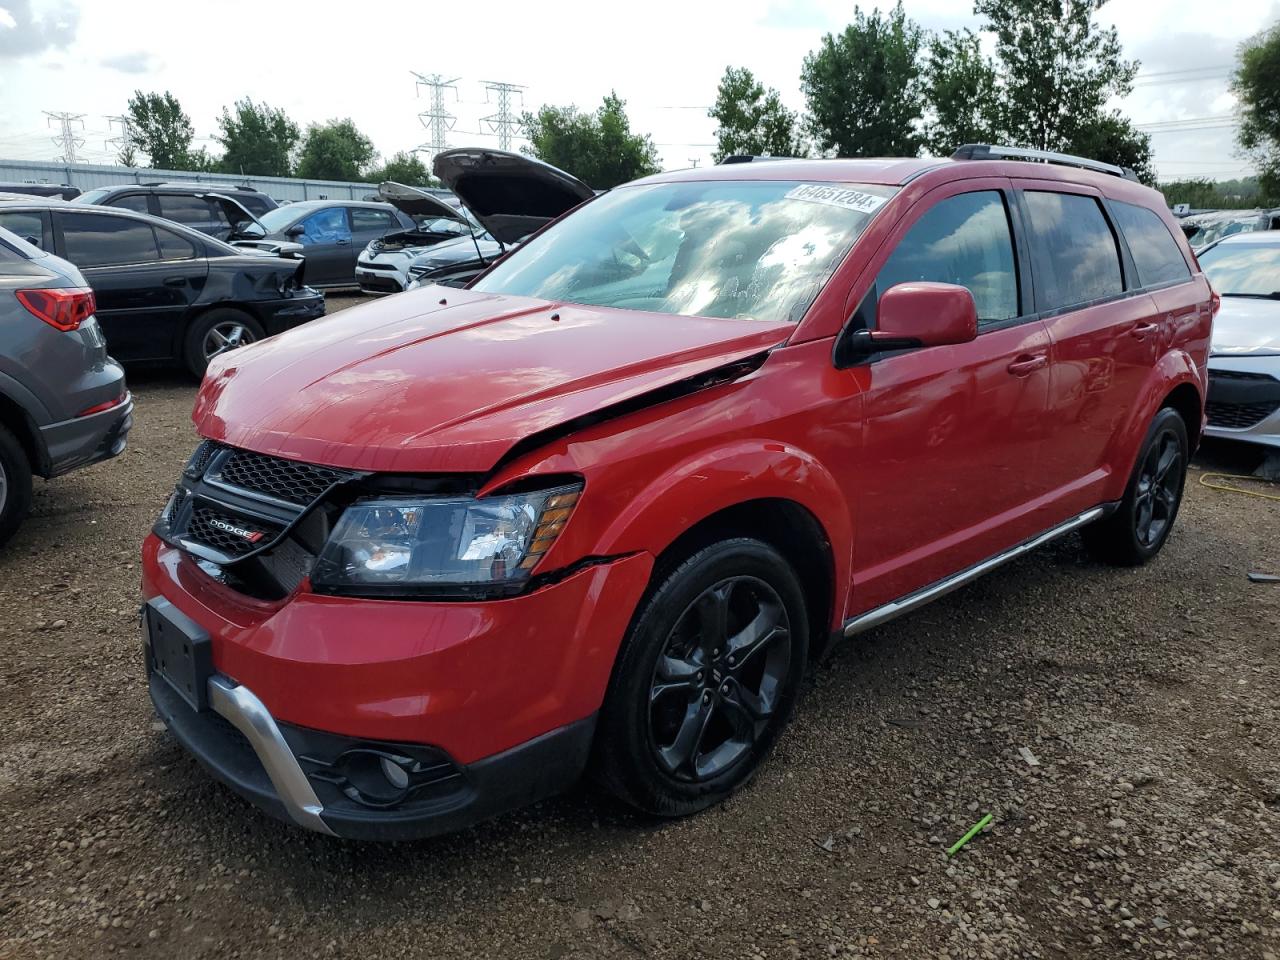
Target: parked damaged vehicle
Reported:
point(327, 233)
point(165, 292)
point(508, 195)
point(439, 555)
point(386, 264)
point(221, 211)
point(1207, 228)
point(63, 401)
point(1244, 364)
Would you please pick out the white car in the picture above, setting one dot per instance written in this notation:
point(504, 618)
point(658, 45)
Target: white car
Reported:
point(383, 266)
point(1244, 360)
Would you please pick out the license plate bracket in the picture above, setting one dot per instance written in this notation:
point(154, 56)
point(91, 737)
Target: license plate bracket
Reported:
point(180, 651)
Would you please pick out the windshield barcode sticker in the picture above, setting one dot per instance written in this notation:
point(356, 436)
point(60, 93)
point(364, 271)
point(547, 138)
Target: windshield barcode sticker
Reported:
point(837, 197)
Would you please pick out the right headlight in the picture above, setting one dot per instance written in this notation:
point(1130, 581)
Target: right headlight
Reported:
point(396, 544)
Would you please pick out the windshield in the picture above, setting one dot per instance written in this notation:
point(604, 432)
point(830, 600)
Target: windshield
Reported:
point(1243, 269)
point(755, 250)
point(93, 196)
point(279, 218)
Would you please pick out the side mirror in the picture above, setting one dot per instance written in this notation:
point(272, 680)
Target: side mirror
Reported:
point(926, 314)
point(915, 314)
point(296, 230)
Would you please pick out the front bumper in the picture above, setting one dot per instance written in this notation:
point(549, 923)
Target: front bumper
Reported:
point(1244, 399)
point(505, 690)
point(289, 312)
point(296, 775)
point(85, 440)
point(386, 279)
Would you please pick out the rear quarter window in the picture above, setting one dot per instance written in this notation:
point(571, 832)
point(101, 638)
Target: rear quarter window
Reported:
point(1076, 257)
point(1155, 253)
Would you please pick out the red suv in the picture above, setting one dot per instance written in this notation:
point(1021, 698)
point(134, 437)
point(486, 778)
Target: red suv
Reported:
point(441, 554)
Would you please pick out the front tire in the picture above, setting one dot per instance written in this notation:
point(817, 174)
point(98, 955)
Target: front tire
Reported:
point(15, 484)
point(705, 681)
point(1139, 527)
point(216, 332)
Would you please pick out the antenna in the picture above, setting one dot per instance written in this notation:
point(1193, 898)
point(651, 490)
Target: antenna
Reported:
point(437, 120)
point(502, 123)
point(66, 138)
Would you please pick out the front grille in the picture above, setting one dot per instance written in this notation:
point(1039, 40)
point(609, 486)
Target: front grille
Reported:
point(1238, 416)
point(378, 266)
point(1238, 375)
point(199, 461)
point(287, 480)
point(204, 528)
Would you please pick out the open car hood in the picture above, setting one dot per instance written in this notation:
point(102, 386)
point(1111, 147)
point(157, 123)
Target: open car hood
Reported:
point(510, 194)
point(417, 203)
point(413, 384)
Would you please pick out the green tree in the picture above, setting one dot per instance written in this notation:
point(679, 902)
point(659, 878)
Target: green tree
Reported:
point(1256, 84)
point(404, 167)
point(257, 139)
point(864, 89)
point(597, 148)
point(1225, 194)
point(751, 119)
point(960, 88)
point(1112, 138)
point(160, 129)
point(1057, 68)
point(336, 150)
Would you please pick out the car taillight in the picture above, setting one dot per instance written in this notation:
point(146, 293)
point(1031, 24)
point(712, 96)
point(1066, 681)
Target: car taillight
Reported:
point(64, 307)
point(1215, 302)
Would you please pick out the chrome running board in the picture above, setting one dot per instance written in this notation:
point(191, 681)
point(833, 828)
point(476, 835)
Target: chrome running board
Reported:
point(895, 608)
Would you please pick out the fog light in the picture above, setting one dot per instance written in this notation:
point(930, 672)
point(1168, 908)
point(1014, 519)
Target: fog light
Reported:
point(396, 775)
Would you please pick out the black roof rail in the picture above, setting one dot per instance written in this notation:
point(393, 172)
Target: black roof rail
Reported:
point(987, 151)
point(748, 158)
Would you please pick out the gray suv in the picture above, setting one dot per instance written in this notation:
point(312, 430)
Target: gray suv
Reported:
point(63, 401)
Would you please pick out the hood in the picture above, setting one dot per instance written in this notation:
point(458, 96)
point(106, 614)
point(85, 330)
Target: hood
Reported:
point(459, 250)
point(418, 204)
point(269, 248)
point(510, 194)
point(1246, 327)
point(413, 384)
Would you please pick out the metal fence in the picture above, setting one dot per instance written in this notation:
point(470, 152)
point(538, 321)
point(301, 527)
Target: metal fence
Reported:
point(87, 176)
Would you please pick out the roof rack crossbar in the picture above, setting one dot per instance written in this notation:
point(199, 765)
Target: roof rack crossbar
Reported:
point(987, 151)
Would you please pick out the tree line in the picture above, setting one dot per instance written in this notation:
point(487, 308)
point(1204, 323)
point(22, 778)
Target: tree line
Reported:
point(258, 139)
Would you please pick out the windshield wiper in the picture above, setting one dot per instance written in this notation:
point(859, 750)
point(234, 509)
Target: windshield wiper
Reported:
point(1274, 295)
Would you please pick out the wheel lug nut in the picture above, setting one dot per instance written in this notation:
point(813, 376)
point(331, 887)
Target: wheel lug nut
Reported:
point(724, 689)
point(731, 660)
point(715, 653)
point(706, 697)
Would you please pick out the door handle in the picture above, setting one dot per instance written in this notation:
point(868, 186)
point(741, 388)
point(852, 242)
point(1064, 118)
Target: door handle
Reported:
point(343, 243)
point(175, 281)
point(1025, 365)
point(1143, 330)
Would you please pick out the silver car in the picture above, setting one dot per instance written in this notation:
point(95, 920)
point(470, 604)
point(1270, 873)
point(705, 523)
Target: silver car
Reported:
point(1244, 362)
point(63, 400)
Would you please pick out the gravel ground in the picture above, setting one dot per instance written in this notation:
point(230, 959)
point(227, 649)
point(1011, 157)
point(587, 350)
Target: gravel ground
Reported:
point(1149, 827)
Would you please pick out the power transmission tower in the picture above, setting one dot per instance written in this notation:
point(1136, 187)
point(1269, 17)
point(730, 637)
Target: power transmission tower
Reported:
point(693, 161)
point(66, 138)
point(123, 144)
point(502, 123)
point(437, 120)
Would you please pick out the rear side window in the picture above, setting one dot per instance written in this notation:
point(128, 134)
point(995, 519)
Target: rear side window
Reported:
point(100, 240)
point(26, 224)
point(1155, 253)
point(362, 218)
point(137, 202)
point(963, 240)
point(1077, 260)
point(193, 211)
point(174, 247)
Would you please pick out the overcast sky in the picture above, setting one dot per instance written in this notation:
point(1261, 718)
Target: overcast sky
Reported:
point(319, 60)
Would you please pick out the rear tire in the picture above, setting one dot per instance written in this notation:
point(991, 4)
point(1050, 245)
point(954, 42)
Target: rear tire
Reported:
point(1139, 527)
point(15, 484)
point(215, 332)
point(705, 681)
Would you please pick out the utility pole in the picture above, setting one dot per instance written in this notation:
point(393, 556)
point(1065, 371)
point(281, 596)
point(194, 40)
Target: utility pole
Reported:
point(693, 161)
point(502, 123)
point(437, 120)
point(66, 138)
point(123, 144)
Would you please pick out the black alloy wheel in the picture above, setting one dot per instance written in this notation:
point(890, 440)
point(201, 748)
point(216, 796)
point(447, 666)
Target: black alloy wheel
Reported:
point(705, 680)
point(1141, 522)
point(718, 682)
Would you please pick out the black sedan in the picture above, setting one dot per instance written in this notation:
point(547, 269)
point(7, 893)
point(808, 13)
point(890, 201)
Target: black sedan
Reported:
point(331, 232)
point(164, 291)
